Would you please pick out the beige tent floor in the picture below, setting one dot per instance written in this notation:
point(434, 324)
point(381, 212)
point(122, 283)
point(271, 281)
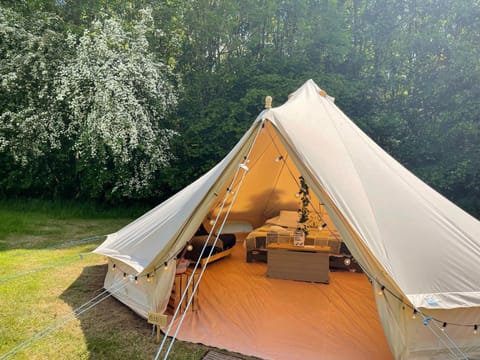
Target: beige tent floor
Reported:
point(242, 310)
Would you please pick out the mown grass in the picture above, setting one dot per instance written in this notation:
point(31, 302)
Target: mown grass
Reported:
point(49, 219)
point(43, 278)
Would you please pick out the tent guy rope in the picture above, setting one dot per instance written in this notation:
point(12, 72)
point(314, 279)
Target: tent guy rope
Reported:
point(74, 314)
point(449, 343)
point(65, 260)
point(64, 245)
point(244, 167)
point(202, 271)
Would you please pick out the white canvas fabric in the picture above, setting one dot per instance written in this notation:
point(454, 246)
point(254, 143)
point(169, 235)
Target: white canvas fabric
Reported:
point(410, 239)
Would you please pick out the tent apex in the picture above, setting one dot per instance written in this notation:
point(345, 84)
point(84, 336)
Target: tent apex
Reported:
point(268, 102)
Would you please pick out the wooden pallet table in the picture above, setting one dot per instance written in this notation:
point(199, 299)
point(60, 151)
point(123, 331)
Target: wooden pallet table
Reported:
point(304, 263)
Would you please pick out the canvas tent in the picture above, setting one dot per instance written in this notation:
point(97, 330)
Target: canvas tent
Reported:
point(416, 246)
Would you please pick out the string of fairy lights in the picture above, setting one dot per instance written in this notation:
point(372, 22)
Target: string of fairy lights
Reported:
point(382, 290)
point(149, 276)
point(448, 342)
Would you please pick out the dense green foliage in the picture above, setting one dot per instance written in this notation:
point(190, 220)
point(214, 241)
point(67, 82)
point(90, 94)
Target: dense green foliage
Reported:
point(407, 72)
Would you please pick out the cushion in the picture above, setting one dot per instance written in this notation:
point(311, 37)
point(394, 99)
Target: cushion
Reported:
point(286, 218)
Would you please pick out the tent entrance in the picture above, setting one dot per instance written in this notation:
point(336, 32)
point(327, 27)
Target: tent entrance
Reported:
point(242, 310)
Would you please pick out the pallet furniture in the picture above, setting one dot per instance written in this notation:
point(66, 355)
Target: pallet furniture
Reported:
point(258, 242)
point(179, 286)
point(304, 263)
point(258, 252)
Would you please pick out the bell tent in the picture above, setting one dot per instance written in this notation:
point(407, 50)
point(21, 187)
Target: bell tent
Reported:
point(420, 251)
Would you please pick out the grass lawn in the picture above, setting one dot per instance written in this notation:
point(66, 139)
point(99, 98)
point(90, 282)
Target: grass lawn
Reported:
point(43, 279)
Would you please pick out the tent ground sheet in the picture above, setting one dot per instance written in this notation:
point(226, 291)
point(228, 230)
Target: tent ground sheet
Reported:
point(242, 310)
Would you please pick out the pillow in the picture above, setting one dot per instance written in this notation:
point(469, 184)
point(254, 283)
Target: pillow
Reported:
point(278, 229)
point(273, 221)
point(286, 219)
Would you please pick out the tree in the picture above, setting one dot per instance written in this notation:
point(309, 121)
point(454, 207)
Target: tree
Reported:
point(31, 50)
point(117, 95)
point(82, 116)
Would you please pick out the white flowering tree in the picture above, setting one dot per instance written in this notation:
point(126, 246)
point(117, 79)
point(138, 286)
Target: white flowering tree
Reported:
point(30, 53)
point(117, 95)
point(31, 125)
point(82, 114)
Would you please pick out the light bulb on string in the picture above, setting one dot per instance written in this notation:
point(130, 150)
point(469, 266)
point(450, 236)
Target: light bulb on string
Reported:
point(114, 266)
point(278, 158)
point(136, 279)
point(444, 326)
point(124, 276)
point(475, 329)
point(149, 279)
point(189, 247)
point(165, 266)
point(380, 292)
point(244, 167)
point(414, 315)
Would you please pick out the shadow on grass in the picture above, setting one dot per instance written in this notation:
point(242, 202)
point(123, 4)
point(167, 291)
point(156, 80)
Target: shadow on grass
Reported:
point(111, 330)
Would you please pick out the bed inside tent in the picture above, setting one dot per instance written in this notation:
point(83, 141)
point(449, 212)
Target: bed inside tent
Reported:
point(242, 309)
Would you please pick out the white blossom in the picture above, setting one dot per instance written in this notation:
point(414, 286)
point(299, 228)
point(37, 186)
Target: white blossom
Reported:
point(102, 99)
point(117, 94)
point(29, 125)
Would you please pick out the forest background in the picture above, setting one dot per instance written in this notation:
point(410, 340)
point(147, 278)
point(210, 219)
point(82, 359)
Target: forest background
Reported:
point(125, 102)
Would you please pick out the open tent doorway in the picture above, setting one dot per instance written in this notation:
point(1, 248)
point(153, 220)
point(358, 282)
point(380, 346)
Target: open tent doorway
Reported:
point(243, 309)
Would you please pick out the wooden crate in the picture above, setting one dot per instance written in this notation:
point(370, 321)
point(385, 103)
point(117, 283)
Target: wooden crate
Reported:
point(180, 283)
point(298, 263)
